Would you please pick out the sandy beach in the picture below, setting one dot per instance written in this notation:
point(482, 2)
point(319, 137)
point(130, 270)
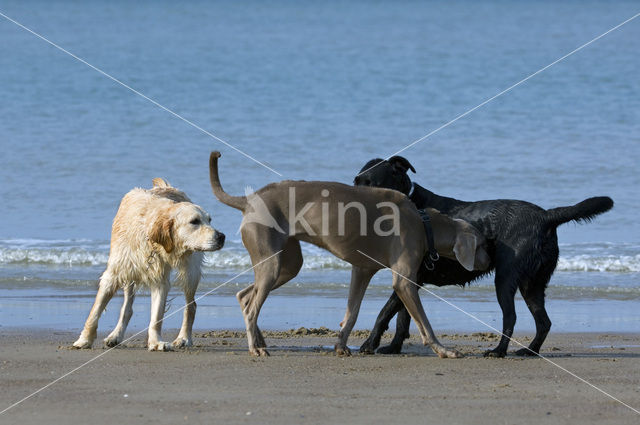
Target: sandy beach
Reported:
point(486, 100)
point(303, 382)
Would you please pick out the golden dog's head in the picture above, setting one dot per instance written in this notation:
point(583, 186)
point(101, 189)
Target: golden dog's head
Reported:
point(185, 227)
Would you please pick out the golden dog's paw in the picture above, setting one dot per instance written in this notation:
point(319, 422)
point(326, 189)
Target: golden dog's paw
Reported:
point(111, 341)
point(82, 343)
point(259, 352)
point(159, 346)
point(181, 342)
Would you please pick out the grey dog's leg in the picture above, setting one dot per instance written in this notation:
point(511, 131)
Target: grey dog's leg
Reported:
point(265, 279)
point(290, 266)
point(245, 298)
point(267, 271)
point(390, 309)
point(360, 279)
point(408, 293)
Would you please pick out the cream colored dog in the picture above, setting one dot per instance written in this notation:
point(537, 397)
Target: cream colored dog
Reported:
point(153, 232)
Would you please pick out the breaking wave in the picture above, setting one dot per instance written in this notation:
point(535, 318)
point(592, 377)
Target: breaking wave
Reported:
point(607, 258)
point(611, 264)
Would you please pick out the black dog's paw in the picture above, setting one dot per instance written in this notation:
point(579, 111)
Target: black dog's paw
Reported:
point(367, 349)
point(390, 349)
point(526, 352)
point(495, 353)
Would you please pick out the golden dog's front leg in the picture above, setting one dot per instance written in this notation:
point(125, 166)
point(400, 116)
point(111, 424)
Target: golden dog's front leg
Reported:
point(184, 338)
point(158, 302)
point(188, 278)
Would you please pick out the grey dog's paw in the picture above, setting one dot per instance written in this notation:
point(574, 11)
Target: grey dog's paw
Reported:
point(342, 351)
point(450, 353)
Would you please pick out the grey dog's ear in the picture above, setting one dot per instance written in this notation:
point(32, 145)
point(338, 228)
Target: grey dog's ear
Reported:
point(465, 249)
point(401, 163)
point(162, 232)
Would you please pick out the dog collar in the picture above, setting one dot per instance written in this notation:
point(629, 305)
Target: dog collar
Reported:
point(413, 187)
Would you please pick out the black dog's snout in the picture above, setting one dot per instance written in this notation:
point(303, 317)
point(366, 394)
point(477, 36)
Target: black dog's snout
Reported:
point(359, 181)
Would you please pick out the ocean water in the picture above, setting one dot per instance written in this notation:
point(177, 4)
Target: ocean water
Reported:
point(315, 90)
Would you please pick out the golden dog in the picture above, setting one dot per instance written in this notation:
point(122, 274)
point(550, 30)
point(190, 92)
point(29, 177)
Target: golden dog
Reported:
point(154, 231)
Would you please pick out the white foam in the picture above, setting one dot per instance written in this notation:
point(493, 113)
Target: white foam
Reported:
point(609, 263)
point(241, 260)
point(73, 256)
point(576, 258)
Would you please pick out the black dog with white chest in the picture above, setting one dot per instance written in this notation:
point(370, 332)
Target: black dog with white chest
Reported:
point(523, 245)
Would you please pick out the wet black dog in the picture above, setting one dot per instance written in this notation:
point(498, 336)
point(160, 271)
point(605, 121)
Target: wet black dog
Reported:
point(523, 246)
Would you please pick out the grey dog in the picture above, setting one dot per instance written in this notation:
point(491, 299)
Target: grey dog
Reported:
point(370, 228)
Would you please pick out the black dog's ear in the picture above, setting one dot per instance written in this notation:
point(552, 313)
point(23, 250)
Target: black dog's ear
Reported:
point(401, 163)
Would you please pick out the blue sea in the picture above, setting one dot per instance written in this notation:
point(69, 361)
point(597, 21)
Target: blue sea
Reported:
point(314, 90)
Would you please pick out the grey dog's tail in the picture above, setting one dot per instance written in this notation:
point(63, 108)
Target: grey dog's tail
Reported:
point(584, 211)
point(238, 202)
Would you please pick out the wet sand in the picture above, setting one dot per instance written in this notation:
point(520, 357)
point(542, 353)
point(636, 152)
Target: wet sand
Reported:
point(303, 382)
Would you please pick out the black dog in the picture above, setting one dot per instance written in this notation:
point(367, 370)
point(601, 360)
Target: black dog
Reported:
point(523, 246)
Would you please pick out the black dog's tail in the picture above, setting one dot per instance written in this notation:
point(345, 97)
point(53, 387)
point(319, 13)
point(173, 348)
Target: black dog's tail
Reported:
point(584, 211)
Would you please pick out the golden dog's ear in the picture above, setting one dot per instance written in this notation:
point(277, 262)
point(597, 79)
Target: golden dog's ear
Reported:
point(162, 232)
point(465, 249)
point(160, 182)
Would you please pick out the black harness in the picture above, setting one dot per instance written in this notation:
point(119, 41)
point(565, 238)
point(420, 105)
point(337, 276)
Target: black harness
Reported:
point(433, 255)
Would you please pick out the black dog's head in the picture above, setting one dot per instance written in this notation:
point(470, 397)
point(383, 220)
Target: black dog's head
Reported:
point(390, 173)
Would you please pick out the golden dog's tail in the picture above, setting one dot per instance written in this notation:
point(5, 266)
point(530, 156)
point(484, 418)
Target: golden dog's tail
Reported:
point(238, 202)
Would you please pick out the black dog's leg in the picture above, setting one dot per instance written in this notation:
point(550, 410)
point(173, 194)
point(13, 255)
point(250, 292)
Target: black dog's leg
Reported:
point(403, 320)
point(506, 291)
point(390, 309)
point(535, 302)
